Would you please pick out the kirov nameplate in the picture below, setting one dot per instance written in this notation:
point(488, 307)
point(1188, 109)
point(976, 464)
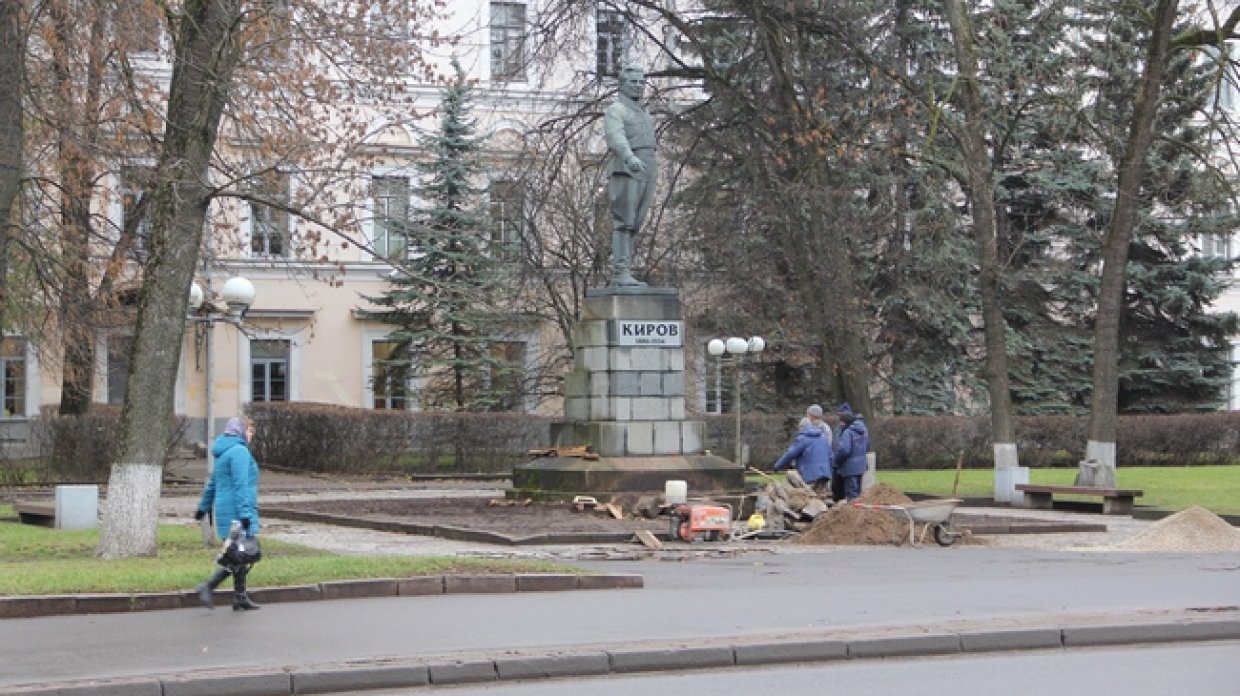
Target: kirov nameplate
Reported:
point(650, 333)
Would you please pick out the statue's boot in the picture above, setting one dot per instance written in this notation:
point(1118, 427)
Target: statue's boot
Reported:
point(622, 254)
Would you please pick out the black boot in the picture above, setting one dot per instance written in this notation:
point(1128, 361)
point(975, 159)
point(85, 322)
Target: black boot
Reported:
point(241, 599)
point(242, 602)
point(206, 589)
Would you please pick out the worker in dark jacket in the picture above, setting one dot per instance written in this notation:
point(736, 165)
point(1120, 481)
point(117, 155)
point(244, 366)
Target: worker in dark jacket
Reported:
point(851, 444)
point(811, 452)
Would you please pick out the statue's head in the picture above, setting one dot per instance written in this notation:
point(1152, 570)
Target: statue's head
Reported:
point(632, 81)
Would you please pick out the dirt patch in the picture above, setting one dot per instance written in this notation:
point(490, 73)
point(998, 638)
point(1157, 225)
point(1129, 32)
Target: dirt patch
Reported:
point(495, 515)
point(847, 524)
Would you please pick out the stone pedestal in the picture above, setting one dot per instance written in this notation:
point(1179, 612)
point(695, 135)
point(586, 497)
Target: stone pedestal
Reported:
point(1006, 479)
point(625, 398)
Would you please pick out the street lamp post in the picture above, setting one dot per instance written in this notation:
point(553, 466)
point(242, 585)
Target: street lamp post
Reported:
point(736, 347)
point(238, 294)
point(716, 347)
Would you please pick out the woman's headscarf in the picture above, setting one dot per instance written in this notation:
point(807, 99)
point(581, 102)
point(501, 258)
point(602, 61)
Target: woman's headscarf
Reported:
point(236, 426)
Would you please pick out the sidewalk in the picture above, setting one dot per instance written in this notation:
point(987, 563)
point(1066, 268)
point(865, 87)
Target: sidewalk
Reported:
point(647, 656)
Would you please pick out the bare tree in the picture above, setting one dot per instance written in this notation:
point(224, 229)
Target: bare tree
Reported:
point(12, 131)
point(295, 87)
point(207, 50)
point(979, 182)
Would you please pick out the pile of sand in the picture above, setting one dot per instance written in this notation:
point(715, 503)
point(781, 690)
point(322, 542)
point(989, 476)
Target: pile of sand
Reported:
point(846, 524)
point(1194, 530)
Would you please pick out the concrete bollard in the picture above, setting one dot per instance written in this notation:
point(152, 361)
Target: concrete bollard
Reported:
point(77, 506)
point(870, 477)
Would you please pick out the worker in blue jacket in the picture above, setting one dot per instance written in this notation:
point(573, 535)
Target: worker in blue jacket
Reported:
point(811, 452)
point(231, 493)
point(851, 443)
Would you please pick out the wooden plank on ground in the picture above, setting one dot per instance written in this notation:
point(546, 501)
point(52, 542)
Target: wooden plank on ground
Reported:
point(648, 539)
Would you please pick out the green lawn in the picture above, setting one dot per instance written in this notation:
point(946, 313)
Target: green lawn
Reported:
point(1215, 488)
point(38, 560)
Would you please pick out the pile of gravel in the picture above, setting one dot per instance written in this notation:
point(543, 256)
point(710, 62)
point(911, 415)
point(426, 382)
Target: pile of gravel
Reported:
point(1195, 530)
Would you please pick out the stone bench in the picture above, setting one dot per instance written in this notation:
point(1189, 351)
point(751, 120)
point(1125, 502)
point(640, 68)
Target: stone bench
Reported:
point(1115, 501)
point(74, 507)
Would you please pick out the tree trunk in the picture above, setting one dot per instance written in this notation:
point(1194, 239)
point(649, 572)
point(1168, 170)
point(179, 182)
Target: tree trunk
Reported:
point(846, 326)
point(980, 184)
point(12, 129)
point(1104, 402)
point(206, 57)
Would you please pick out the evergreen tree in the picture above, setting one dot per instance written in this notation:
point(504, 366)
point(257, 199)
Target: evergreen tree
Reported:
point(923, 280)
point(443, 300)
point(1174, 353)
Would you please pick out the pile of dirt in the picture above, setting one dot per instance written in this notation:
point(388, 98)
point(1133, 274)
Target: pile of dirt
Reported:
point(884, 494)
point(848, 524)
point(1194, 530)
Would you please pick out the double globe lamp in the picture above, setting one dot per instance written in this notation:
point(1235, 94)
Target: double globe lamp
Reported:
point(737, 347)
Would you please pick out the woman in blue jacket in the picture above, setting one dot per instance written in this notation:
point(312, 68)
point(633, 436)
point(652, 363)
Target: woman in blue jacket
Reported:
point(851, 444)
point(811, 451)
point(231, 493)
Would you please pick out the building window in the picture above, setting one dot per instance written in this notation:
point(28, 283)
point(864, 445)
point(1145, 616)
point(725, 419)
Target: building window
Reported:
point(139, 25)
point(13, 360)
point(1216, 245)
point(611, 42)
point(508, 41)
point(507, 375)
point(390, 196)
point(135, 181)
point(269, 370)
point(269, 217)
point(726, 41)
point(118, 367)
point(391, 389)
point(1233, 390)
point(507, 218)
point(1225, 76)
point(275, 22)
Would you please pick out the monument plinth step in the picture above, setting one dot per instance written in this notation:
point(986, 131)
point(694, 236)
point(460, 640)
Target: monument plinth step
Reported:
point(565, 477)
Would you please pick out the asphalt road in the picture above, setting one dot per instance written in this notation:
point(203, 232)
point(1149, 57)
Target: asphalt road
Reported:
point(1201, 670)
point(831, 592)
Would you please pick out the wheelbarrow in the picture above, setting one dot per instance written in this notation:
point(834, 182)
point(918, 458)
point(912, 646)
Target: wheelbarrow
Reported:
point(934, 514)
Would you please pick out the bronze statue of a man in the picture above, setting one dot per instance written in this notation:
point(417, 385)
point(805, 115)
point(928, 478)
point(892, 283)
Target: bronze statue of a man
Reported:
point(629, 131)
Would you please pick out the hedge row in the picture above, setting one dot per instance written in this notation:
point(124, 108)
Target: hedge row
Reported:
point(906, 442)
point(76, 449)
point(327, 438)
point(336, 439)
point(332, 438)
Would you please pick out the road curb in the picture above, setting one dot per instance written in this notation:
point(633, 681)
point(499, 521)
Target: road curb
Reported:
point(658, 657)
point(110, 603)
